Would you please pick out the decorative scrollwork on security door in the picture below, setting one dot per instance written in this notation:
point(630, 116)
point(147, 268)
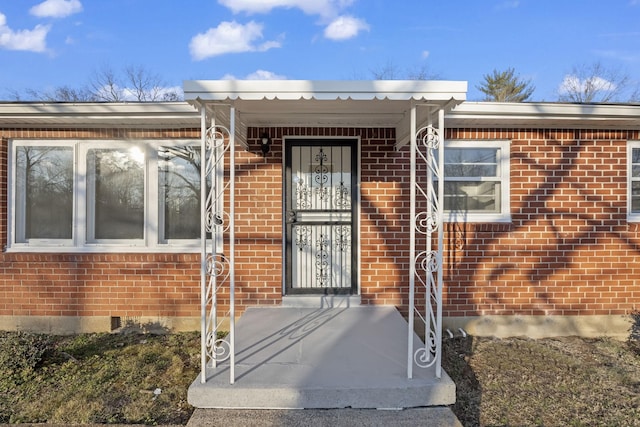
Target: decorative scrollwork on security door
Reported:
point(342, 238)
point(303, 237)
point(321, 175)
point(302, 194)
point(322, 260)
point(342, 196)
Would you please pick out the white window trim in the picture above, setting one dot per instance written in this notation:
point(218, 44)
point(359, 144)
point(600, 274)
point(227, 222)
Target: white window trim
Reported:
point(80, 242)
point(504, 170)
point(631, 216)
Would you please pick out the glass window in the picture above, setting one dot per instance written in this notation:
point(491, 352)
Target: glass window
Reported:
point(43, 193)
point(634, 181)
point(476, 180)
point(115, 193)
point(179, 190)
point(108, 195)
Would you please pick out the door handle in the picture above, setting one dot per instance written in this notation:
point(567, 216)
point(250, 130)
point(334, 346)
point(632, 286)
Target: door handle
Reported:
point(292, 217)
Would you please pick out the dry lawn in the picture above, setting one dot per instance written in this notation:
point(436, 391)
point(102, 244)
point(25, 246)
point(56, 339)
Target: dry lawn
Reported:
point(143, 378)
point(550, 382)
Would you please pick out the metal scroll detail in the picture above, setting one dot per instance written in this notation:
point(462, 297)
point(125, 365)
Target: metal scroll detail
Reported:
point(217, 268)
point(427, 256)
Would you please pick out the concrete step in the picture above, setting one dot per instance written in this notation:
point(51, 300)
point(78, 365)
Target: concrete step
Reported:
point(322, 358)
point(432, 417)
point(321, 301)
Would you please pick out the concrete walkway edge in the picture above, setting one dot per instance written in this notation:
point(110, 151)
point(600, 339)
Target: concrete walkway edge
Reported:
point(435, 416)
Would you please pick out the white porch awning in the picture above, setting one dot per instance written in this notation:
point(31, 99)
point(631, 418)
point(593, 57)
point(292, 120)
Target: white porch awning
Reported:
point(234, 106)
point(325, 103)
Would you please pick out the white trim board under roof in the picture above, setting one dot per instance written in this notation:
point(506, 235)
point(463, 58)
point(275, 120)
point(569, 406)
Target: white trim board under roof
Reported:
point(546, 115)
point(323, 103)
point(156, 115)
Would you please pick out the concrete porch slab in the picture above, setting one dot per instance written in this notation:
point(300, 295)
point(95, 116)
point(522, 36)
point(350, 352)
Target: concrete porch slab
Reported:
point(322, 358)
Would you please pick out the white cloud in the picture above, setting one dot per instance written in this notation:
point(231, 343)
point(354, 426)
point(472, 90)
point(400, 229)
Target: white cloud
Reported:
point(339, 27)
point(29, 40)
point(325, 8)
point(229, 37)
point(425, 54)
point(345, 27)
point(573, 84)
point(257, 75)
point(265, 75)
point(56, 8)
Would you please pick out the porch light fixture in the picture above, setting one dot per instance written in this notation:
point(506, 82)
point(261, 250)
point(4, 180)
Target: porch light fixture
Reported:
point(265, 144)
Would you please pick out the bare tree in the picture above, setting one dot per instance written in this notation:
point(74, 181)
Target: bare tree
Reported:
point(59, 94)
point(391, 71)
point(105, 85)
point(596, 83)
point(135, 83)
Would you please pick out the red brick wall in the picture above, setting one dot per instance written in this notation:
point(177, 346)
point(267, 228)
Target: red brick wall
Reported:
point(383, 221)
point(127, 285)
point(569, 249)
point(168, 284)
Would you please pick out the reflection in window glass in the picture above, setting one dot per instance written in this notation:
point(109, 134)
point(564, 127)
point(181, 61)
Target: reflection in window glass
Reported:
point(116, 189)
point(465, 196)
point(635, 180)
point(44, 193)
point(473, 182)
point(179, 178)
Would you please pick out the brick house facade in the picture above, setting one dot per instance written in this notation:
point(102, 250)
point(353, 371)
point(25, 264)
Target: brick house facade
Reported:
point(562, 257)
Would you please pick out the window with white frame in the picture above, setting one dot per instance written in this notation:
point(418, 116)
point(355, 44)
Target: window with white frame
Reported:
point(104, 195)
point(44, 188)
point(179, 192)
point(633, 178)
point(476, 187)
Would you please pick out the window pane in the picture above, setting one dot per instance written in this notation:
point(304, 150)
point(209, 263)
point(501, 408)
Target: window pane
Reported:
point(635, 196)
point(470, 162)
point(117, 177)
point(179, 173)
point(44, 193)
point(466, 196)
point(470, 170)
point(635, 162)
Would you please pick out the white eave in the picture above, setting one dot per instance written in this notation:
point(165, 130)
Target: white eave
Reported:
point(92, 115)
point(352, 103)
point(544, 115)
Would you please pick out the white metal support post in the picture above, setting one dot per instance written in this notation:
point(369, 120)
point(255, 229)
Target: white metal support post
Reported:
point(217, 153)
point(426, 262)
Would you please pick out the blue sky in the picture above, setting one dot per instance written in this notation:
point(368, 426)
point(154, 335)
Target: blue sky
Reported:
point(52, 43)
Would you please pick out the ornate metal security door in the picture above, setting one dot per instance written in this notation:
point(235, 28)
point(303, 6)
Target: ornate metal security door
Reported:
point(320, 219)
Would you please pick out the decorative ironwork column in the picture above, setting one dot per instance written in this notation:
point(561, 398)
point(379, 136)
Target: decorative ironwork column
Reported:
point(217, 221)
point(426, 244)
